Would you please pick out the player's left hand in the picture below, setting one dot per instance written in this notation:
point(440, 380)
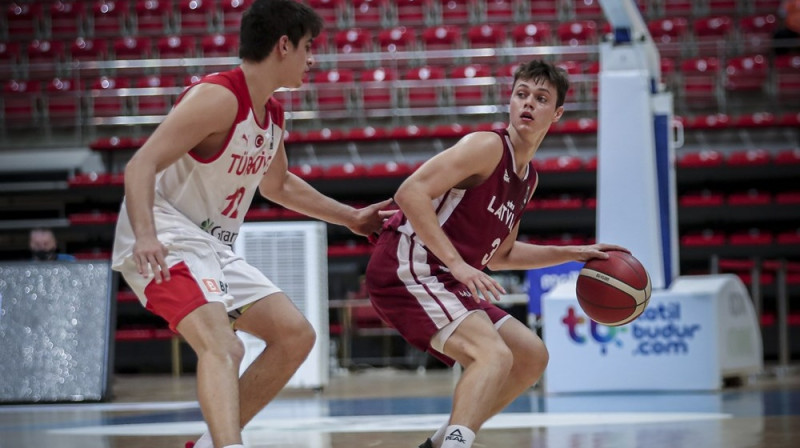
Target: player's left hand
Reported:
point(586, 253)
point(370, 219)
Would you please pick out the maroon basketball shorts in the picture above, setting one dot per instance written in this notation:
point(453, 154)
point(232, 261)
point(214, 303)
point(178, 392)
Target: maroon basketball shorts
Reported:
point(413, 292)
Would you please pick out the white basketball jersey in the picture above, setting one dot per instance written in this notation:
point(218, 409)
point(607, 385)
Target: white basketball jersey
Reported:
point(209, 197)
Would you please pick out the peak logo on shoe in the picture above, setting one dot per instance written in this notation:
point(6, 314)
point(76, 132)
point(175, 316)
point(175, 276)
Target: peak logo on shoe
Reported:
point(455, 435)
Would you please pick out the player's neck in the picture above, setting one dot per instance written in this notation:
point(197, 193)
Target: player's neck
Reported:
point(261, 80)
point(525, 146)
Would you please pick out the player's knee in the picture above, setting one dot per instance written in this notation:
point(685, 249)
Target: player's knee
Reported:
point(302, 338)
point(228, 349)
point(533, 362)
point(501, 357)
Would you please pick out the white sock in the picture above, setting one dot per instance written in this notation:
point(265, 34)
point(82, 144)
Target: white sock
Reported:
point(204, 441)
point(457, 436)
point(438, 437)
point(238, 445)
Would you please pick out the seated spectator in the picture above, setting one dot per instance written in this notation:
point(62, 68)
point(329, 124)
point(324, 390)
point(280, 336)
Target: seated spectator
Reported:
point(43, 246)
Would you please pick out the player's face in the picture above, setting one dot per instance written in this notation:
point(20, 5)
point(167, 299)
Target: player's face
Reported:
point(302, 60)
point(533, 105)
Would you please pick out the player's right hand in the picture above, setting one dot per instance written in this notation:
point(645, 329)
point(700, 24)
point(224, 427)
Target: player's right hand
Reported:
point(478, 281)
point(150, 256)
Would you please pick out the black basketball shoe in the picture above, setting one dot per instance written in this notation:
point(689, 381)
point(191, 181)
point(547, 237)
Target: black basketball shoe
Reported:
point(427, 444)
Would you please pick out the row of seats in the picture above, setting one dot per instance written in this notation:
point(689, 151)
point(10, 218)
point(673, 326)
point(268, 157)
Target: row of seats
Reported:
point(699, 82)
point(559, 164)
point(27, 20)
point(709, 36)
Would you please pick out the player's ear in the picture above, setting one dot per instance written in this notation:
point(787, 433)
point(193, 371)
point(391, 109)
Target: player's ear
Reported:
point(283, 45)
point(558, 114)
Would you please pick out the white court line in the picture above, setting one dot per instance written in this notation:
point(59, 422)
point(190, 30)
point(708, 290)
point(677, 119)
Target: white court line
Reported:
point(109, 407)
point(398, 423)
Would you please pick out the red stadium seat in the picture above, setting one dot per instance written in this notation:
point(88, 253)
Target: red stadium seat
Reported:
point(788, 237)
point(176, 47)
point(441, 38)
point(324, 135)
point(409, 132)
point(132, 48)
point(89, 180)
point(678, 8)
point(113, 105)
point(541, 10)
point(49, 57)
point(787, 77)
point(489, 36)
point(705, 198)
point(788, 157)
point(389, 169)
point(196, 16)
point(23, 20)
point(114, 143)
point(153, 17)
point(670, 35)
point(466, 95)
point(369, 13)
point(154, 104)
point(399, 38)
point(347, 170)
point(501, 11)
point(108, 18)
point(95, 217)
point(751, 237)
point(749, 157)
point(353, 41)
point(457, 12)
point(579, 126)
point(63, 103)
point(366, 134)
point(66, 19)
point(746, 73)
point(587, 9)
point(723, 7)
point(331, 11)
point(334, 89)
point(423, 95)
point(88, 49)
point(756, 31)
point(531, 34)
point(704, 238)
point(711, 35)
point(699, 82)
point(700, 159)
point(711, 121)
point(580, 32)
point(232, 11)
point(375, 88)
point(412, 12)
point(750, 198)
point(561, 164)
point(450, 131)
point(307, 172)
point(20, 103)
point(220, 45)
point(755, 120)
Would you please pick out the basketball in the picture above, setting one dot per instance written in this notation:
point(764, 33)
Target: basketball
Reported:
point(614, 291)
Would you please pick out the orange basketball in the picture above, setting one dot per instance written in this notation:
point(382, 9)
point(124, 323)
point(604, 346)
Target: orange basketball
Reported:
point(614, 291)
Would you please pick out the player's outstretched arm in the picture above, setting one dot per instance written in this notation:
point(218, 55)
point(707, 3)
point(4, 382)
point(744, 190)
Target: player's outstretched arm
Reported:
point(195, 118)
point(521, 256)
point(292, 192)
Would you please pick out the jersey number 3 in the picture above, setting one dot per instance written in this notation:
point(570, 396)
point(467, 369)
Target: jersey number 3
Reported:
point(495, 245)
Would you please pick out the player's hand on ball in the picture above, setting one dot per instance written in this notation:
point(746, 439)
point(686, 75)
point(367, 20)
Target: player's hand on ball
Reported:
point(150, 255)
point(586, 253)
point(478, 282)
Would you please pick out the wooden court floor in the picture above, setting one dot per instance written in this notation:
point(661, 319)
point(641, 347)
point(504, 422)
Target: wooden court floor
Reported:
point(399, 409)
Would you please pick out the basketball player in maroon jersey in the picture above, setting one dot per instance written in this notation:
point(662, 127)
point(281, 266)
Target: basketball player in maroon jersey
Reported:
point(460, 213)
point(187, 190)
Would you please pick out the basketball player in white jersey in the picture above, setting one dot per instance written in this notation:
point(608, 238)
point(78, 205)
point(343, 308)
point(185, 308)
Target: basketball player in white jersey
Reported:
point(187, 190)
point(460, 213)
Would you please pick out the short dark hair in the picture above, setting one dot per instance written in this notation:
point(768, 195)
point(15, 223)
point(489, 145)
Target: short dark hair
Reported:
point(538, 70)
point(265, 21)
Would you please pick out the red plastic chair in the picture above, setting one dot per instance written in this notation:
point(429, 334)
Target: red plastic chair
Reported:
point(66, 19)
point(176, 46)
point(587, 9)
point(108, 106)
point(23, 20)
point(409, 132)
point(707, 122)
point(501, 11)
point(153, 17)
point(220, 45)
point(788, 157)
point(399, 38)
point(49, 56)
point(62, 103)
point(353, 41)
point(412, 12)
point(347, 170)
point(441, 38)
point(108, 18)
point(749, 157)
point(331, 11)
point(531, 34)
point(542, 10)
point(561, 164)
point(700, 81)
point(711, 35)
point(132, 48)
point(746, 73)
point(465, 95)
point(678, 8)
point(232, 11)
point(456, 12)
point(700, 159)
point(751, 237)
point(366, 134)
point(20, 103)
point(375, 88)
point(704, 238)
point(424, 95)
point(196, 16)
point(670, 35)
point(389, 169)
point(491, 36)
point(787, 77)
point(369, 13)
point(154, 104)
point(756, 31)
point(307, 172)
point(755, 120)
point(750, 198)
point(705, 198)
point(579, 32)
point(334, 89)
point(88, 49)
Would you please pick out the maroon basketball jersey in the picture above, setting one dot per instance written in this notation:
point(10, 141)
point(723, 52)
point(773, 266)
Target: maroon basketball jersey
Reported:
point(478, 219)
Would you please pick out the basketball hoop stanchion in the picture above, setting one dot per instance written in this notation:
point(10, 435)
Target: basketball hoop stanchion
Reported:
point(696, 331)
